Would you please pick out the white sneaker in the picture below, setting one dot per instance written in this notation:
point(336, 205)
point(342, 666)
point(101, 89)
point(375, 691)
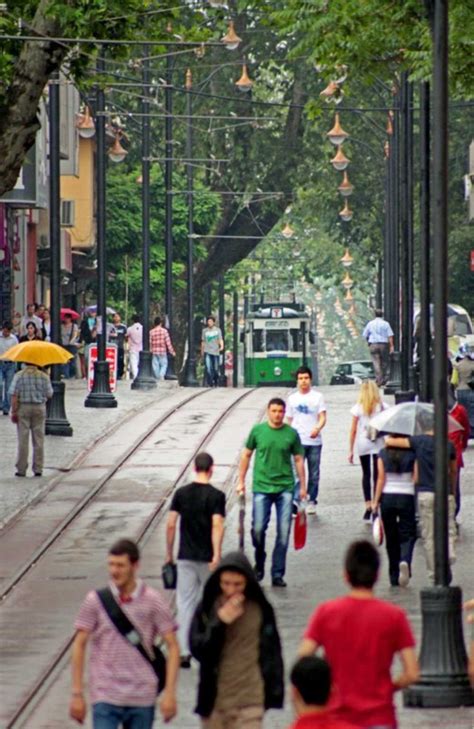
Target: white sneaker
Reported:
point(404, 576)
point(311, 508)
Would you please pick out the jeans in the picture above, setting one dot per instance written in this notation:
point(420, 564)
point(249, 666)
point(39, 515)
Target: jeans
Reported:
point(69, 369)
point(7, 371)
point(365, 463)
point(379, 355)
point(466, 399)
point(211, 364)
point(159, 363)
point(261, 512)
point(312, 454)
point(398, 516)
point(192, 577)
point(109, 716)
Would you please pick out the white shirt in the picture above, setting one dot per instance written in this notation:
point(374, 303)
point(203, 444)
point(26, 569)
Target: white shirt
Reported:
point(365, 446)
point(304, 409)
point(7, 343)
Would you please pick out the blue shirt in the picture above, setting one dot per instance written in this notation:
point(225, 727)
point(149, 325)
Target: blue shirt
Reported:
point(377, 331)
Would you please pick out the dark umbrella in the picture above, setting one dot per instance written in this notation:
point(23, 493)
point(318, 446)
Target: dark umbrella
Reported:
point(241, 521)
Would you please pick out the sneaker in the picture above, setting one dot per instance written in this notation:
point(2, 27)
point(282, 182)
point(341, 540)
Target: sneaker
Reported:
point(259, 573)
point(367, 515)
point(278, 582)
point(404, 576)
point(311, 508)
point(185, 661)
point(294, 510)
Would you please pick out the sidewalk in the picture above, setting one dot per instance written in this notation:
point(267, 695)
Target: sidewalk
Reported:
point(88, 425)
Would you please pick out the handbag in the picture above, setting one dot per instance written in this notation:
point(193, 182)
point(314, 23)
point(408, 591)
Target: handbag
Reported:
point(127, 629)
point(299, 534)
point(377, 530)
point(169, 575)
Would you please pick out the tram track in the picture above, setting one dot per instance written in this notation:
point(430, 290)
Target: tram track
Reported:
point(40, 684)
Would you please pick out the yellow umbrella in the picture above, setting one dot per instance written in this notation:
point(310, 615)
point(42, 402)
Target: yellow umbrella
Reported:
point(37, 353)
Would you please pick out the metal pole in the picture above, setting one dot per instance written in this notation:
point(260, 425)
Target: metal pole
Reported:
point(424, 339)
point(222, 377)
point(387, 236)
point(405, 325)
point(56, 420)
point(235, 339)
point(145, 379)
point(170, 373)
point(190, 379)
point(100, 396)
point(444, 681)
point(410, 237)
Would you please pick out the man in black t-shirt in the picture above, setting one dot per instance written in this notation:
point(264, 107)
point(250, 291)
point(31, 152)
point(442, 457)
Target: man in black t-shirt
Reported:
point(201, 510)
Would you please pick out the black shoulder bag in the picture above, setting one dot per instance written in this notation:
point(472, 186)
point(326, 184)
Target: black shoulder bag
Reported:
point(126, 628)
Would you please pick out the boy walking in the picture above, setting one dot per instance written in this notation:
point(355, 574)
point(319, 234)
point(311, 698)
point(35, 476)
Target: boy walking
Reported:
point(361, 635)
point(201, 510)
point(306, 413)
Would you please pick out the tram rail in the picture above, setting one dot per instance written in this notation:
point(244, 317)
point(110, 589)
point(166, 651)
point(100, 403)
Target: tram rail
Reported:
point(39, 687)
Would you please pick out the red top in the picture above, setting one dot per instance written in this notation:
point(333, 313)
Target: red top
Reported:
point(360, 638)
point(459, 438)
point(320, 720)
point(160, 342)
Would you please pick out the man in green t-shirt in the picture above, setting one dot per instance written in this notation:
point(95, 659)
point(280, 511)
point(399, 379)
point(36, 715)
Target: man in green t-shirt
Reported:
point(274, 443)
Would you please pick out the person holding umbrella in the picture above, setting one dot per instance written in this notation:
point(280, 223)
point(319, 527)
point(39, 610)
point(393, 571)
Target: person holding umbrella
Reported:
point(29, 391)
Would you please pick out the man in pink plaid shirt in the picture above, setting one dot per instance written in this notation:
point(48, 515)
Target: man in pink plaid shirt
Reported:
point(160, 345)
point(122, 683)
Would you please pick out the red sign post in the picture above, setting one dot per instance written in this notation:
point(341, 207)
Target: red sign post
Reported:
point(111, 357)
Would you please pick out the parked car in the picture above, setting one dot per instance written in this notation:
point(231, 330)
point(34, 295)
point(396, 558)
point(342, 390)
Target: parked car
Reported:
point(352, 373)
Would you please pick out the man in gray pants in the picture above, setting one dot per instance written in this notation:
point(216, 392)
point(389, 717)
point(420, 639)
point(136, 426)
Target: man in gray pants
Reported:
point(30, 390)
point(201, 510)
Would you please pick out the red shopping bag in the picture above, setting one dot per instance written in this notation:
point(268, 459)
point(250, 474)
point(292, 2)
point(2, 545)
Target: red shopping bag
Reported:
point(299, 534)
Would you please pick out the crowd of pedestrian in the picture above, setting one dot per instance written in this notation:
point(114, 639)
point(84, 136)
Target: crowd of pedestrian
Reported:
point(225, 621)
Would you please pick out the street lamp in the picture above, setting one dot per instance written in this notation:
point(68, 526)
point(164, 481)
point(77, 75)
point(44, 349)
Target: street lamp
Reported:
point(117, 153)
point(340, 161)
point(347, 282)
point(346, 213)
point(347, 259)
point(100, 395)
point(145, 379)
point(56, 420)
point(346, 188)
point(190, 379)
point(231, 40)
point(337, 135)
point(85, 124)
point(287, 231)
point(244, 83)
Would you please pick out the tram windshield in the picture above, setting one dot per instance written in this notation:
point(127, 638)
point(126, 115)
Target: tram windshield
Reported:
point(276, 340)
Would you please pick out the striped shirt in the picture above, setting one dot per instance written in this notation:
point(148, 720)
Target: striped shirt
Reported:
point(118, 674)
point(377, 331)
point(31, 386)
point(160, 342)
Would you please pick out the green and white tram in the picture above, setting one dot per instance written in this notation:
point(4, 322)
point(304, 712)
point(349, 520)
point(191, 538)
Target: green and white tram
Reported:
point(276, 342)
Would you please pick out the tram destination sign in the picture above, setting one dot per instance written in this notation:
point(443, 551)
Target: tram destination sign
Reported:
point(279, 324)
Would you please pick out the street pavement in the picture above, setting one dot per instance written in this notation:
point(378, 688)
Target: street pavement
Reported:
point(89, 425)
point(314, 574)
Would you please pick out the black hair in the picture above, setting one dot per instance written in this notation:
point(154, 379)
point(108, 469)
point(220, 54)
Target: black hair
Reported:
point(203, 462)
point(312, 677)
point(7, 324)
point(157, 321)
point(136, 319)
point(378, 312)
point(31, 324)
point(125, 546)
point(211, 317)
point(303, 370)
point(362, 564)
point(277, 401)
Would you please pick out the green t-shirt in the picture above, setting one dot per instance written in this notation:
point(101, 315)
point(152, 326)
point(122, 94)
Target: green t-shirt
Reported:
point(272, 471)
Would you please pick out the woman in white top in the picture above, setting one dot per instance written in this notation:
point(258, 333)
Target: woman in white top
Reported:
point(362, 435)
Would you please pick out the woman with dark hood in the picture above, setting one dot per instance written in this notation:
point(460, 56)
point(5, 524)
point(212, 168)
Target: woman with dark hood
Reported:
point(234, 637)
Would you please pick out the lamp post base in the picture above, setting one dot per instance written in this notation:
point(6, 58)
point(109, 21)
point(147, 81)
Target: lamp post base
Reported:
point(145, 379)
point(395, 378)
point(170, 372)
point(190, 378)
point(100, 395)
point(404, 396)
point(444, 682)
point(56, 420)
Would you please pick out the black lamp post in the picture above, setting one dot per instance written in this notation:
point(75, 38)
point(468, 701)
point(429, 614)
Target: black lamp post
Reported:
point(145, 379)
point(424, 338)
point(235, 339)
point(444, 681)
point(222, 377)
point(190, 379)
point(100, 395)
point(56, 420)
point(170, 372)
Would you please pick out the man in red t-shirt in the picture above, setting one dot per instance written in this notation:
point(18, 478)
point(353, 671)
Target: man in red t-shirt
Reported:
point(360, 635)
point(310, 689)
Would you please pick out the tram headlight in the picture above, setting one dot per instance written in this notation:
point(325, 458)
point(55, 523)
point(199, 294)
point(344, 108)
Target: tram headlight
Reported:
point(277, 371)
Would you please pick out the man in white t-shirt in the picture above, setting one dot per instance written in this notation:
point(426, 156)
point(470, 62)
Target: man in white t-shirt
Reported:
point(306, 413)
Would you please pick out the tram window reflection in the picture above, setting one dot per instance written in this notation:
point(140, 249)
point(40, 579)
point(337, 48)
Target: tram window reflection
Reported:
point(257, 340)
point(296, 340)
point(276, 341)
